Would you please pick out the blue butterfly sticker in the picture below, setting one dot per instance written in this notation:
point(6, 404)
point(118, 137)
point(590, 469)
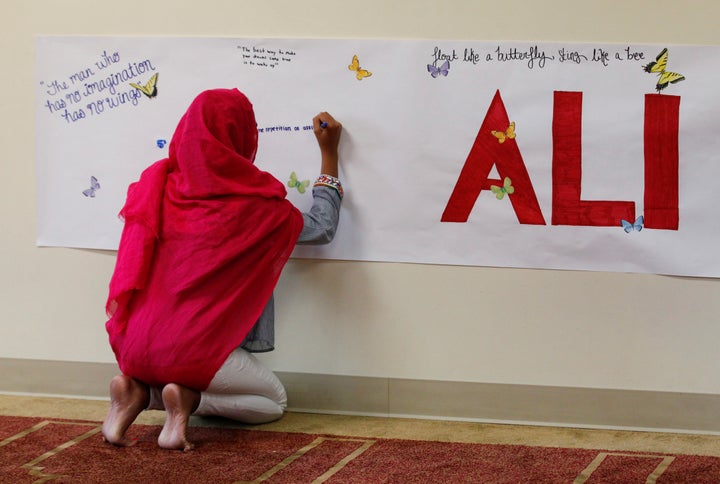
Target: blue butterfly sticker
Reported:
point(439, 71)
point(94, 185)
point(161, 143)
point(629, 227)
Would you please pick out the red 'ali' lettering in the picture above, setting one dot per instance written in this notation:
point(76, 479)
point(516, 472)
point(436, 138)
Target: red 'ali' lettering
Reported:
point(661, 168)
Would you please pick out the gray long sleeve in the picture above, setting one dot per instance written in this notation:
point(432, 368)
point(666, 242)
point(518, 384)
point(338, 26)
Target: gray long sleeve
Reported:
point(320, 223)
point(319, 227)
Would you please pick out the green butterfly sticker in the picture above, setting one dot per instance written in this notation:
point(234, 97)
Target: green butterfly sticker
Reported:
point(501, 191)
point(295, 183)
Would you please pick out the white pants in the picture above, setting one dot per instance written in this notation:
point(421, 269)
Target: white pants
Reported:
point(242, 389)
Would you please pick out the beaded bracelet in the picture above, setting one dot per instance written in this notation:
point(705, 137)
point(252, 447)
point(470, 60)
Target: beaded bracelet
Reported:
point(329, 181)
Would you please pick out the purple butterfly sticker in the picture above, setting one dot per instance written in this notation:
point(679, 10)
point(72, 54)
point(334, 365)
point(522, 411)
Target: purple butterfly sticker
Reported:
point(437, 71)
point(161, 143)
point(94, 185)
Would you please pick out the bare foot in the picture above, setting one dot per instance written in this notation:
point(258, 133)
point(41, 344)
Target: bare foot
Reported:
point(179, 402)
point(128, 397)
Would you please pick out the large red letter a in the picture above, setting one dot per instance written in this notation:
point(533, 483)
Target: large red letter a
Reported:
point(486, 152)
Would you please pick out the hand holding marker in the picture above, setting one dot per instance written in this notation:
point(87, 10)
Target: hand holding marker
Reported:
point(327, 131)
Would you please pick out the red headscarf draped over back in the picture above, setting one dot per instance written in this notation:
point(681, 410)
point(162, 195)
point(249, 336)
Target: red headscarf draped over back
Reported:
point(206, 236)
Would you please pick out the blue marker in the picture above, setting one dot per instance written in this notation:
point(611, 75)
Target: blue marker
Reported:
point(323, 125)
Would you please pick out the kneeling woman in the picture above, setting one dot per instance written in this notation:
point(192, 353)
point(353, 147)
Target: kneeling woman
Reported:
point(206, 236)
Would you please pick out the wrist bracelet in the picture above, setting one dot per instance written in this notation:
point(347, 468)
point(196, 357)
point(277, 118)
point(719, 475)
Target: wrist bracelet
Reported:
point(329, 181)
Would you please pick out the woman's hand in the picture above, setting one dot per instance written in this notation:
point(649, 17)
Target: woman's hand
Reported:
point(327, 131)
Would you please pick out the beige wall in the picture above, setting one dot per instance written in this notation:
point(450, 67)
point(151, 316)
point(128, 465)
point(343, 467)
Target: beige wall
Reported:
point(576, 329)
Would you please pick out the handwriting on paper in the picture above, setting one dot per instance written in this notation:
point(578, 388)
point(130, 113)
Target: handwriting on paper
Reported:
point(264, 57)
point(284, 129)
point(535, 57)
point(96, 88)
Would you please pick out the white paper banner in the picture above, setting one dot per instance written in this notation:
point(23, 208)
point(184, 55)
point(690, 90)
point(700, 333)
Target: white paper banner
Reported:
point(541, 155)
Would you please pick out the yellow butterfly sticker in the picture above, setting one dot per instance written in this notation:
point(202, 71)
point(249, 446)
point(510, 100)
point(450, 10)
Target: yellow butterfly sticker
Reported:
point(150, 88)
point(501, 191)
point(295, 183)
point(658, 67)
point(507, 134)
point(360, 73)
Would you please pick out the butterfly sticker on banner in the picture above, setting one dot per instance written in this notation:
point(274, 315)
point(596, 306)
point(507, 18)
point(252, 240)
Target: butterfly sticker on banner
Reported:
point(509, 133)
point(161, 143)
point(150, 88)
point(658, 67)
point(629, 227)
point(439, 71)
point(360, 73)
point(501, 191)
point(94, 185)
point(295, 183)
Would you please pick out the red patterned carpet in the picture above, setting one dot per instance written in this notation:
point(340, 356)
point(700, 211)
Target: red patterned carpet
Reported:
point(55, 450)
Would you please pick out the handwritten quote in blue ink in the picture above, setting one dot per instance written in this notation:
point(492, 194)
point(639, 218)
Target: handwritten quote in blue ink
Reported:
point(97, 88)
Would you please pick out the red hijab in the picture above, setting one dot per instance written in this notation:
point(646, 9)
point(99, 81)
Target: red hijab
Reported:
point(206, 236)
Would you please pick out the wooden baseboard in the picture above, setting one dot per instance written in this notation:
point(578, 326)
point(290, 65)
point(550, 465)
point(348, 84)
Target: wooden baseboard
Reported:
point(394, 397)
